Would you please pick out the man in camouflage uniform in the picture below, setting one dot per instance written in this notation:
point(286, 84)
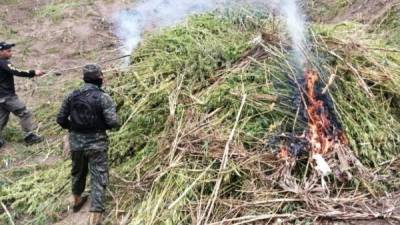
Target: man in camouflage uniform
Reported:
point(87, 113)
point(9, 101)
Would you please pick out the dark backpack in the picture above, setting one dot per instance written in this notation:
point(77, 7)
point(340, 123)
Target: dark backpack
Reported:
point(86, 111)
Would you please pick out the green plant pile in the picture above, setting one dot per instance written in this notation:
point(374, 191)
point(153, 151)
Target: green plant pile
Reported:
point(198, 104)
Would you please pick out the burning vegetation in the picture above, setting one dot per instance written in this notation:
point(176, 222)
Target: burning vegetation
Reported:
point(219, 128)
point(323, 132)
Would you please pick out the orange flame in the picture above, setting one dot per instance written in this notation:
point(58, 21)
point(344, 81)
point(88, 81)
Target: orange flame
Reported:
point(283, 153)
point(318, 121)
point(322, 139)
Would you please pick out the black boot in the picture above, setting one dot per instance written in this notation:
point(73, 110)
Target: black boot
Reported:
point(33, 139)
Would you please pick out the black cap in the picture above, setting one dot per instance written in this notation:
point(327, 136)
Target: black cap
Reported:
point(91, 72)
point(4, 46)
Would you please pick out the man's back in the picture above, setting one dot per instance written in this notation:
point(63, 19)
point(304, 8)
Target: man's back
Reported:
point(88, 112)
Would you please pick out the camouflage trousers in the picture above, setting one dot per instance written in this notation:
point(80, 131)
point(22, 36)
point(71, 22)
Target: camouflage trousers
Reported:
point(95, 162)
point(13, 105)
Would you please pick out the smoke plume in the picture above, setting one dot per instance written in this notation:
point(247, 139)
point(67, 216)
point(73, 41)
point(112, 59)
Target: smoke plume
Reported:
point(296, 27)
point(146, 16)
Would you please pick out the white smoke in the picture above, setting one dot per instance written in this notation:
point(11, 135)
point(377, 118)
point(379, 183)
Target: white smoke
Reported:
point(154, 14)
point(151, 15)
point(296, 27)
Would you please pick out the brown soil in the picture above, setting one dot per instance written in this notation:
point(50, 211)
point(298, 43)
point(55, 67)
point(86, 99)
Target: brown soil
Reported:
point(83, 33)
point(366, 11)
point(79, 218)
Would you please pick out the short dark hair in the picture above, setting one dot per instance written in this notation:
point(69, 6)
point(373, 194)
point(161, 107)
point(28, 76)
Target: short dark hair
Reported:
point(91, 72)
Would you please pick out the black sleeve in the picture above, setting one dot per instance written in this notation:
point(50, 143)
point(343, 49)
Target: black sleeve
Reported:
point(63, 114)
point(16, 72)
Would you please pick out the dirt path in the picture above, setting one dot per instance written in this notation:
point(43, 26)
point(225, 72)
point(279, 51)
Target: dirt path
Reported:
point(79, 218)
point(56, 36)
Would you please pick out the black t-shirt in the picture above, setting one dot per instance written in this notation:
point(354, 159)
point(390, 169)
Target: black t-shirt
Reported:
point(7, 73)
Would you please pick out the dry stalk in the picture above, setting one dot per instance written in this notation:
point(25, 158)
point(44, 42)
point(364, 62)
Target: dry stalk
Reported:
point(253, 218)
point(330, 82)
point(190, 186)
point(8, 213)
point(210, 204)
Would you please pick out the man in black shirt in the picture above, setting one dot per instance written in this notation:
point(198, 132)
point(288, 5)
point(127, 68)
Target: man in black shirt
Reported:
point(9, 101)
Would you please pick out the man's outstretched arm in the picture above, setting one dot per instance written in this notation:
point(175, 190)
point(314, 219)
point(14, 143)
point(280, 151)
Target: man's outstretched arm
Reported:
point(8, 67)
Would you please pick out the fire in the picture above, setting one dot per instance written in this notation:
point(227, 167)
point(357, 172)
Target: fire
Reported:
point(318, 118)
point(323, 138)
point(283, 153)
point(322, 134)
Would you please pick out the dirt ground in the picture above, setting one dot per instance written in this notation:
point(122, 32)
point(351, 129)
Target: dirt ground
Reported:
point(57, 36)
point(79, 218)
point(364, 11)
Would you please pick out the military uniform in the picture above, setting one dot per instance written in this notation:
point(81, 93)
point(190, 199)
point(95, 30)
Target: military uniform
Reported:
point(9, 101)
point(89, 146)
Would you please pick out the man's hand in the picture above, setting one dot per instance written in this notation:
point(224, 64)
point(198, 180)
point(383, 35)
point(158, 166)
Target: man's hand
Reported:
point(39, 73)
